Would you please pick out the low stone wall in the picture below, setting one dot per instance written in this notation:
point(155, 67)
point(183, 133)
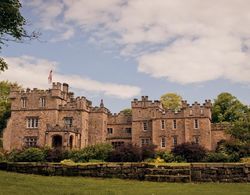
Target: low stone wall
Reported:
point(140, 171)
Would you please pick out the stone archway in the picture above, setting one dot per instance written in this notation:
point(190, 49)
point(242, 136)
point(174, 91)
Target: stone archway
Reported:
point(57, 141)
point(71, 139)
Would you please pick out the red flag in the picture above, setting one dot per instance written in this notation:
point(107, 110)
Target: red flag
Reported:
point(50, 77)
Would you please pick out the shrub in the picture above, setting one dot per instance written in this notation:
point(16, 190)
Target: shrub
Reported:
point(245, 160)
point(216, 157)
point(2, 157)
point(148, 151)
point(27, 155)
point(125, 153)
point(168, 157)
point(67, 162)
point(78, 156)
point(99, 152)
point(190, 152)
point(55, 154)
point(234, 148)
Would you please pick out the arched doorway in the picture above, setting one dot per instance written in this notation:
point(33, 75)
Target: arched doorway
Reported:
point(71, 142)
point(57, 141)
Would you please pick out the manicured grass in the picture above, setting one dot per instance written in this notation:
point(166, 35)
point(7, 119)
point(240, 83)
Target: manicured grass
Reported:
point(14, 183)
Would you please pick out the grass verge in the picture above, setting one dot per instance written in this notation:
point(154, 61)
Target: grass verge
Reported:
point(15, 183)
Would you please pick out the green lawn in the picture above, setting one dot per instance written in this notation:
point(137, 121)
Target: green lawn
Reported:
point(14, 183)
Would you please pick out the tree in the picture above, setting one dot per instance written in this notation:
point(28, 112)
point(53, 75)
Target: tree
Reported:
point(127, 111)
point(5, 88)
point(12, 25)
point(240, 129)
point(227, 108)
point(171, 101)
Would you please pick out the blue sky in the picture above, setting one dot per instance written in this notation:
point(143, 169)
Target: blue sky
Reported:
point(118, 50)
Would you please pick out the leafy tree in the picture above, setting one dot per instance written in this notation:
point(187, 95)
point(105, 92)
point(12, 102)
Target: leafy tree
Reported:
point(5, 88)
point(12, 25)
point(171, 101)
point(240, 129)
point(228, 108)
point(127, 111)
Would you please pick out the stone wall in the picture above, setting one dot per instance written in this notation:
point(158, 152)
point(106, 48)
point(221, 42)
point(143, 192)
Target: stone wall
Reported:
point(219, 172)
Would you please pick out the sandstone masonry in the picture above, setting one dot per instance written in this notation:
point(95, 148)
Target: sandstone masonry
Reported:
point(55, 118)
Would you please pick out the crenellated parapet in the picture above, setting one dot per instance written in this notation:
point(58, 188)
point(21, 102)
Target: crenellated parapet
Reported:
point(78, 103)
point(120, 118)
point(145, 103)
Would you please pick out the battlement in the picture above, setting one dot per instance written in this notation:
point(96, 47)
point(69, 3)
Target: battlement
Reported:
point(145, 102)
point(97, 109)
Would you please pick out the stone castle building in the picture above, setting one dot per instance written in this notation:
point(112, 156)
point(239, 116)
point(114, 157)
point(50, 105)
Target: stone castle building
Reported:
point(55, 118)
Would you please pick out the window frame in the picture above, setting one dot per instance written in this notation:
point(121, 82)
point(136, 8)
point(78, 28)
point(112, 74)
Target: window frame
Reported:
point(30, 143)
point(175, 141)
point(32, 122)
point(23, 102)
point(163, 142)
point(70, 119)
point(163, 124)
point(196, 124)
point(42, 102)
point(109, 131)
point(174, 124)
point(145, 125)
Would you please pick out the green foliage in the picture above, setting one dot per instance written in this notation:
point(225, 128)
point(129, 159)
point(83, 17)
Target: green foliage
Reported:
point(227, 107)
point(12, 25)
point(171, 101)
point(190, 152)
point(235, 149)
point(216, 157)
point(55, 154)
point(27, 155)
point(2, 157)
point(240, 129)
point(98, 152)
point(3, 65)
point(5, 88)
point(167, 156)
point(127, 111)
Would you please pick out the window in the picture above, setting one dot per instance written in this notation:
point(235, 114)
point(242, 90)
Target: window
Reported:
point(163, 142)
point(162, 124)
point(117, 144)
point(68, 121)
point(128, 130)
point(175, 141)
point(174, 124)
point(196, 139)
point(110, 130)
point(145, 141)
point(23, 102)
point(32, 122)
point(145, 126)
point(196, 123)
point(42, 102)
point(30, 141)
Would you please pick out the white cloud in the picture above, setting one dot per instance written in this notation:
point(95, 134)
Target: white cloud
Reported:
point(33, 72)
point(183, 41)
